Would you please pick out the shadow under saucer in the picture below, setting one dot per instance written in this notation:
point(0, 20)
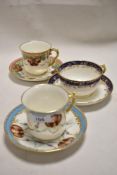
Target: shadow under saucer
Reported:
point(43, 158)
point(96, 107)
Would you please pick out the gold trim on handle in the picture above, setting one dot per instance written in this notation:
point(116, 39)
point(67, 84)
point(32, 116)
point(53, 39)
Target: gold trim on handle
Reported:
point(57, 54)
point(71, 96)
point(103, 66)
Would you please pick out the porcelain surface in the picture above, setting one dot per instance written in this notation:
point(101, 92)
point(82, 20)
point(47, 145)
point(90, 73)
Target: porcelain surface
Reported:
point(81, 77)
point(46, 106)
point(35, 46)
point(17, 69)
point(37, 56)
point(103, 90)
point(75, 128)
point(80, 73)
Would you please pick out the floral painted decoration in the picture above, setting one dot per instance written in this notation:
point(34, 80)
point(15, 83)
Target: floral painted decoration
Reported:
point(65, 142)
point(17, 131)
point(17, 68)
point(34, 61)
point(56, 119)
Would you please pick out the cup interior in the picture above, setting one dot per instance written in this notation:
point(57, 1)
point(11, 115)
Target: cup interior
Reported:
point(45, 98)
point(80, 71)
point(35, 47)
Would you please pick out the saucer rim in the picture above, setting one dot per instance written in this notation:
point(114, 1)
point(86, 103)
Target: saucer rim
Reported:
point(28, 80)
point(13, 141)
point(103, 79)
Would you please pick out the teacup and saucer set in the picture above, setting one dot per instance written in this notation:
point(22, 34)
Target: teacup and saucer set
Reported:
point(38, 61)
point(85, 79)
point(48, 119)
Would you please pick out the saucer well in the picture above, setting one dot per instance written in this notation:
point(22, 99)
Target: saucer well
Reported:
point(103, 90)
point(75, 125)
point(17, 69)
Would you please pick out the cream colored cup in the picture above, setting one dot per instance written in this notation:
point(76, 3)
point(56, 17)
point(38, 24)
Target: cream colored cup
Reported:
point(37, 56)
point(46, 107)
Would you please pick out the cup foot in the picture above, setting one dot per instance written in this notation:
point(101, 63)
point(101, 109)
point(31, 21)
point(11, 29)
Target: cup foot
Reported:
point(37, 73)
point(47, 138)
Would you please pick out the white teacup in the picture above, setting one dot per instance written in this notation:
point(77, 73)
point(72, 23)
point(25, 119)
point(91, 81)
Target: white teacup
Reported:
point(81, 77)
point(46, 107)
point(37, 56)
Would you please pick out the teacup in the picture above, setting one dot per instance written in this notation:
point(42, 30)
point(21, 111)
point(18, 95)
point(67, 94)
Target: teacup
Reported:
point(81, 77)
point(37, 56)
point(46, 107)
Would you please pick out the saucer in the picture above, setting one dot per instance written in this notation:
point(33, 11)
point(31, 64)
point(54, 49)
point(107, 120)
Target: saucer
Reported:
point(17, 69)
point(103, 90)
point(75, 128)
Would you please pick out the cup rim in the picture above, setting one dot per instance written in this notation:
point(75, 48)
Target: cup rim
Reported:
point(49, 112)
point(34, 52)
point(80, 62)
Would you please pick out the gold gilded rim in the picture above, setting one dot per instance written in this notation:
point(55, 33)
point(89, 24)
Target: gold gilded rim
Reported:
point(68, 80)
point(74, 81)
point(35, 53)
point(50, 112)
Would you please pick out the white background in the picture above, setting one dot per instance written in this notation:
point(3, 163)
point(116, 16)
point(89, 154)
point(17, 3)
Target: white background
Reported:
point(81, 30)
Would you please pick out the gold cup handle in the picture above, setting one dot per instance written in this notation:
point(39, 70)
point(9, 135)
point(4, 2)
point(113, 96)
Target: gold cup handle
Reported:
point(103, 66)
point(72, 97)
point(52, 61)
